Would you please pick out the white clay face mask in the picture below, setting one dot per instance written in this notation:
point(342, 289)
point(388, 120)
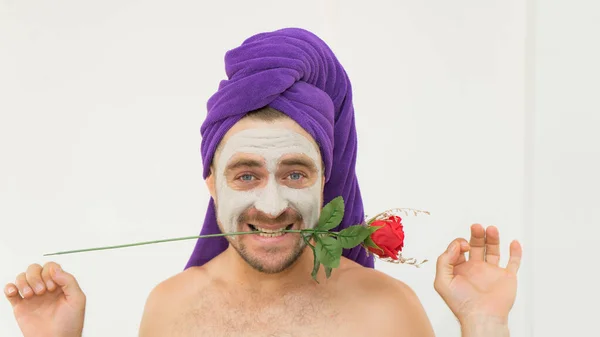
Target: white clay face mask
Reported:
point(271, 144)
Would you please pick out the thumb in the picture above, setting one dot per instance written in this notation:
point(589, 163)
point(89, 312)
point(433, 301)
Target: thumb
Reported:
point(68, 284)
point(445, 265)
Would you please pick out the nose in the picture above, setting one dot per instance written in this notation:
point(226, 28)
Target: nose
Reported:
point(271, 201)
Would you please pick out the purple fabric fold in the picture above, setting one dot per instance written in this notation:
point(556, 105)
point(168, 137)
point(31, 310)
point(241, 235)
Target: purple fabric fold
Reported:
point(294, 71)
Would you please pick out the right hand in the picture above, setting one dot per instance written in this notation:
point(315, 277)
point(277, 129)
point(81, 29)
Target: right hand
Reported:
point(47, 301)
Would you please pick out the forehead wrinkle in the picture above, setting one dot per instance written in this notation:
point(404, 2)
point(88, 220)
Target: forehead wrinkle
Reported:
point(267, 140)
point(270, 142)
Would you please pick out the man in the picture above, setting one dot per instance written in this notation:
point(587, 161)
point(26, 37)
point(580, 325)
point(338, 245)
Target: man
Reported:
point(278, 142)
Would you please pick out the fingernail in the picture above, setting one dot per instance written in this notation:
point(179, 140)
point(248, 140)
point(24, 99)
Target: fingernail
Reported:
point(39, 288)
point(26, 290)
point(57, 271)
point(11, 290)
point(452, 247)
point(50, 284)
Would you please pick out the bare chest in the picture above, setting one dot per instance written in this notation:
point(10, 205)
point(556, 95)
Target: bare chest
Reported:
point(293, 314)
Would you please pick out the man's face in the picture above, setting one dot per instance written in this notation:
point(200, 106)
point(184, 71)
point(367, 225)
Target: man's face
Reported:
point(267, 177)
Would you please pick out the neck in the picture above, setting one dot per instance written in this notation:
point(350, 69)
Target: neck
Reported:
point(295, 275)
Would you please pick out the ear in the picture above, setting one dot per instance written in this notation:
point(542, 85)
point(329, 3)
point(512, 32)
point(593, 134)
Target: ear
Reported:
point(210, 184)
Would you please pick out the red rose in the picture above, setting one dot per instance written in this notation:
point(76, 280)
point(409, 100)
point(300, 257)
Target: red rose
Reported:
point(390, 237)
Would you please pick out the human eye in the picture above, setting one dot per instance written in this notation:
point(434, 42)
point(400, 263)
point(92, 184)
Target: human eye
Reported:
point(245, 180)
point(247, 177)
point(296, 177)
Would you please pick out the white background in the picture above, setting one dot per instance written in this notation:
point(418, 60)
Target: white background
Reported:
point(477, 111)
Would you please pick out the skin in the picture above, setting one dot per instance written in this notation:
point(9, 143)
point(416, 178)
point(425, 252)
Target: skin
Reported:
point(268, 168)
point(270, 177)
point(215, 301)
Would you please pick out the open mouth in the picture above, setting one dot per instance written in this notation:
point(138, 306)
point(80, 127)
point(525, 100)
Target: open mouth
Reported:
point(269, 233)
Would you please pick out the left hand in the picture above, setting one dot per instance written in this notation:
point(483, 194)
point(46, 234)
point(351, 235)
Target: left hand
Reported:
point(478, 288)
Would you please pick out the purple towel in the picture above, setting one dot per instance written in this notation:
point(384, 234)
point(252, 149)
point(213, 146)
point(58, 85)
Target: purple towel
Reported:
point(295, 72)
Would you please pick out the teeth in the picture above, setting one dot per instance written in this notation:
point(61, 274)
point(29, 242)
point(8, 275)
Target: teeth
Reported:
point(270, 230)
point(270, 233)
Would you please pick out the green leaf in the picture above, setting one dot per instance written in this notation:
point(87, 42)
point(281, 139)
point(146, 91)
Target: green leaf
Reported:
point(353, 236)
point(331, 215)
point(316, 266)
point(328, 251)
point(374, 229)
point(328, 271)
point(316, 263)
point(368, 242)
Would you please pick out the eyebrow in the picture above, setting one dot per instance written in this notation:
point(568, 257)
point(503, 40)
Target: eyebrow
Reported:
point(246, 163)
point(298, 162)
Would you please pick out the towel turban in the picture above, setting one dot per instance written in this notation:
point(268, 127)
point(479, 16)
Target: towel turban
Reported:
point(295, 72)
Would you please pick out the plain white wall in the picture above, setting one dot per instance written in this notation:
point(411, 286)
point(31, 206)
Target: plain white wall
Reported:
point(565, 182)
point(101, 104)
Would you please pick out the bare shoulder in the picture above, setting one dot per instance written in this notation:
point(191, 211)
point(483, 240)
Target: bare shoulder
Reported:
point(389, 305)
point(167, 300)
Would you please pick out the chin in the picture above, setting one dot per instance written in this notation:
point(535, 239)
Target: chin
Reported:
point(271, 261)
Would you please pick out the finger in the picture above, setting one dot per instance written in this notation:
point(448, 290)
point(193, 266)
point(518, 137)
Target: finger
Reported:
point(477, 243)
point(492, 245)
point(12, 294)
point(445, 265)
point(464, 248)
point(516, 252)
point(47, 278)
point(23, 286)
point(67, 283)
point(34, 278)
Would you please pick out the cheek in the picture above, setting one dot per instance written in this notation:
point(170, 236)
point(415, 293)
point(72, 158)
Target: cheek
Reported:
point(306, 201)
point(231, 204)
